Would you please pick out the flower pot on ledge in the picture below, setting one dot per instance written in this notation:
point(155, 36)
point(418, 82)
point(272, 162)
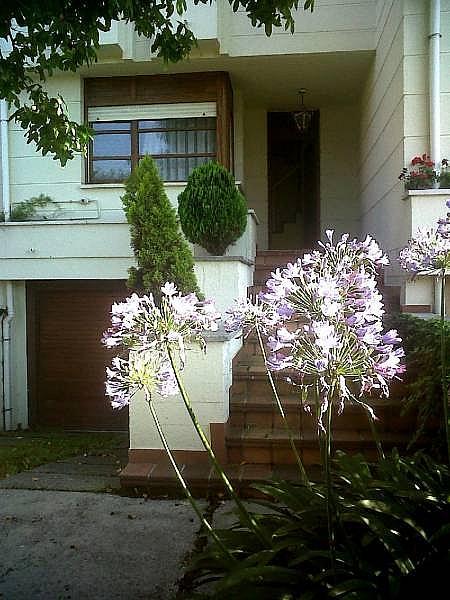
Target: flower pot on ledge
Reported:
point(421, 184)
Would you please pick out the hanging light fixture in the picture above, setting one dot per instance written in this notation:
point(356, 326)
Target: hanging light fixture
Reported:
point(303, 116)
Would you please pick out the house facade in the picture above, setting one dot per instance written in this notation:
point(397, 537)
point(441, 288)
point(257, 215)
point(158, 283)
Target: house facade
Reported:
point(373, 77)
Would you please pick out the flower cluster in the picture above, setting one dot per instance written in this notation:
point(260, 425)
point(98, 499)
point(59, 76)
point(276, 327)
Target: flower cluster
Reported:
point(429, 251)
point(444, 174)
point(146, 332)
point(420, 175)
point(325, 321)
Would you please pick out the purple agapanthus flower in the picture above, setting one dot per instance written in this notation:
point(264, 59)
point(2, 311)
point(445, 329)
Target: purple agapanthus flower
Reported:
point(429, 251)
point(145, 331)
point(328, 324)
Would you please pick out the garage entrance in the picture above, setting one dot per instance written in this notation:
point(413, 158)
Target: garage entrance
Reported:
point(66, 360)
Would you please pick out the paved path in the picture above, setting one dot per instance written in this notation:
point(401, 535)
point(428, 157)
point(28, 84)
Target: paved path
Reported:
point(61, 541)
point(96, 473)
point(80, 545)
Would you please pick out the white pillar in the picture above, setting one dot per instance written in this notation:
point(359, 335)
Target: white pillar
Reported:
point(435, 81)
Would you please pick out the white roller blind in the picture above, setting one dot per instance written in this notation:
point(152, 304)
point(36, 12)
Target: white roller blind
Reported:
point(151, 111)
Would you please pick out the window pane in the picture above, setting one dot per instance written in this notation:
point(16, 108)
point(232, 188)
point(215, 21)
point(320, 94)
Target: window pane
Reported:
point(112, 144)
point(178, 169)
point(111, 126)
point(154, 124)
point(110, 170)
point(154, 143)
point(200, 141)
point(184, 123)
point(177, 142)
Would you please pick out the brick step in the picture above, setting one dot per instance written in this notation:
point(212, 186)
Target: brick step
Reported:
point(277, 258)
point(159, 480)
point(258, 386)
point(253, 383)
point(270, 446)
point(261, 275)
point(264, 412)
point(255, 289)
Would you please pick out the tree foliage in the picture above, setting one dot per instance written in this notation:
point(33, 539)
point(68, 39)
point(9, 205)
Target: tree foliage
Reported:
point(39, 37)
point(162, 254)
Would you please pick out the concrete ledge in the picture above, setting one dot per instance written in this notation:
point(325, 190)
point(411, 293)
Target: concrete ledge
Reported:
point(211, 258)
point(221, 335)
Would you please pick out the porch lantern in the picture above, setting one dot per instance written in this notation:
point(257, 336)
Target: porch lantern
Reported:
point(303, 116)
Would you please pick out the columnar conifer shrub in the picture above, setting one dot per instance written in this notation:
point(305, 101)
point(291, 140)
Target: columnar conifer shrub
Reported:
point(161, 252)
point(213, 213)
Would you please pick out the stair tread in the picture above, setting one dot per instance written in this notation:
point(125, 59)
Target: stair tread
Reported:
point(255, 431)
point(263, 434)
point(159, 479)
point(258, 401)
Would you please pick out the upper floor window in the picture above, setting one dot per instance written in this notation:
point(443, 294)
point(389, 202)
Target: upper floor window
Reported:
point(179, 137)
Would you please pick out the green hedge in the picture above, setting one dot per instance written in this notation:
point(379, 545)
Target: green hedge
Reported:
point(421, 387)
point(213, 213)
point(161, 252)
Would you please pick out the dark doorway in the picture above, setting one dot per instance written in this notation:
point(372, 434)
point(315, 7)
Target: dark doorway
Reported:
point(293, 180)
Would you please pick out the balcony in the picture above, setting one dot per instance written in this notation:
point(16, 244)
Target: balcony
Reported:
point(118, 42)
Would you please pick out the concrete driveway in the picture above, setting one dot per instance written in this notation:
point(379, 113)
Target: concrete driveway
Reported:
point(81, 545)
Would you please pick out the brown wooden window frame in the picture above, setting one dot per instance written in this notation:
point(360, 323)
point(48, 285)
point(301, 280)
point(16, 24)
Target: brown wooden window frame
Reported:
point(135, 155)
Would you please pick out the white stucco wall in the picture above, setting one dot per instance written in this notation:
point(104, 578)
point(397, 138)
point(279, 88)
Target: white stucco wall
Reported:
point(1, 172)
point(445, 79)
point(339, 145)
point(416, 49)
point(208, 395)
point(32, 174)
point(334, 25)
point(223, 279)
point(18, 387)
point(395, 127)
point(255, 168)
point(382, 133)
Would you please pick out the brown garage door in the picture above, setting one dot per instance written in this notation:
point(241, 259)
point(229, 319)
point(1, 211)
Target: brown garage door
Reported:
point(66, 360)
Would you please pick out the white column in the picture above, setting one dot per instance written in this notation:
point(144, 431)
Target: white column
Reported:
point(435, 80)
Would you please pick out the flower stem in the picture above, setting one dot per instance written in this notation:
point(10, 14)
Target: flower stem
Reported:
point(443, 367)
point(303, 475)
point(245, 515)
point(331, 508)
point(183, 483)
point(321, 438)
point(376, 437)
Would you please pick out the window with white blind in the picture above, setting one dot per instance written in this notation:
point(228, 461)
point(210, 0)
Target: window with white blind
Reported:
point(179, 137)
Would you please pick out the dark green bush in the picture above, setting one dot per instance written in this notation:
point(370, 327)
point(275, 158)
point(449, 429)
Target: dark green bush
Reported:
point(392, 537)
point(213, 213)
point(421, 388)
point(161, 252)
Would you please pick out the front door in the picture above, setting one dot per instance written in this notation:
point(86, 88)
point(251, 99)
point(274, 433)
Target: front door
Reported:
point(293, 181)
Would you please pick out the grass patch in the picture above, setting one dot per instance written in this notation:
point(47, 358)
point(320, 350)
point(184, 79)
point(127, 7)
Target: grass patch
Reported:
point(29, 449)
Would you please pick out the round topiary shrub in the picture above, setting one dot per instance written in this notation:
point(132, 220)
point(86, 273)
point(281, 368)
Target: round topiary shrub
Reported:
point(213, 213)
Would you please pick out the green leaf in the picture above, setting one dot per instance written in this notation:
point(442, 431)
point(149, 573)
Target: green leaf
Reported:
point(352, 585)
